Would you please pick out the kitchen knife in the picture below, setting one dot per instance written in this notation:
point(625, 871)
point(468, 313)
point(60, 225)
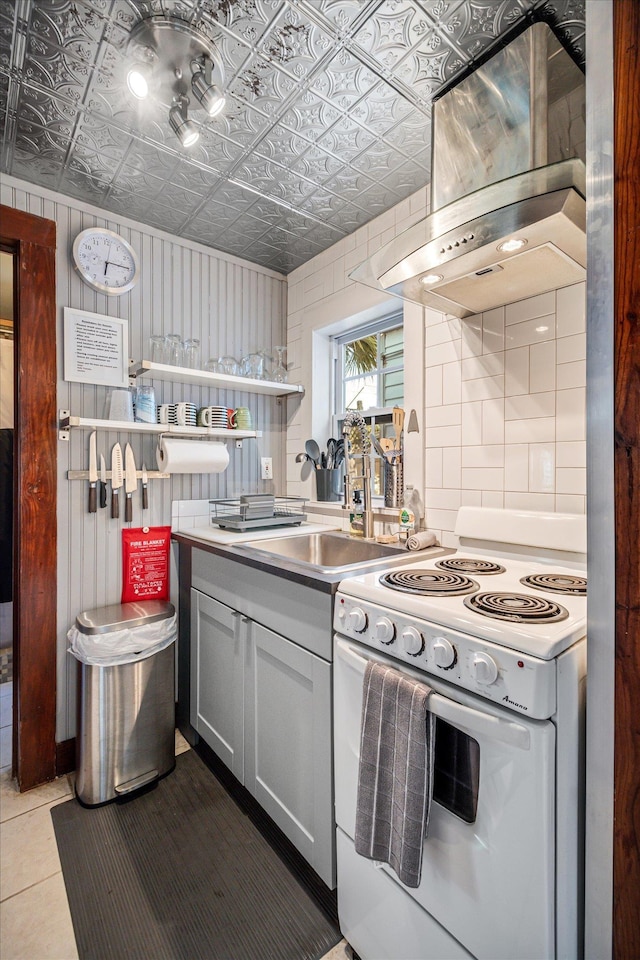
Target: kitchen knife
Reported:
point(145, 492)
point(103, 482)
point(130, 482)
point(116, 479)
point(93, 473)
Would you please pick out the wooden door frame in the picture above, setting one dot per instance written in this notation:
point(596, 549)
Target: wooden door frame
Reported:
point(32, 240)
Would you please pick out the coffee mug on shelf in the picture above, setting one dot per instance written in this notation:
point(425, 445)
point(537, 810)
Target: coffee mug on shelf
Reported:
point(213, 417)
point(243, 419)
point(166, 413)
point(185, 414)
point(231, 418)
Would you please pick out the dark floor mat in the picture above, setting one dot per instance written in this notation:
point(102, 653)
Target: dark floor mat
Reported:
point(181, 873)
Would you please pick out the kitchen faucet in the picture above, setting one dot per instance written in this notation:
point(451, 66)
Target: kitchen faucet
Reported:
point(354, 420)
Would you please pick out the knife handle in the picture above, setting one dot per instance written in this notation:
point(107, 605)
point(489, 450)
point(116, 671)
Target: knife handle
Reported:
point(103, 494)
point(115, 504)
point(145, 498)
point(92, 498)
point(128, 509)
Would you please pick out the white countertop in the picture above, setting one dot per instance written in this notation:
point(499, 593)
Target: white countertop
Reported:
point(217, 535)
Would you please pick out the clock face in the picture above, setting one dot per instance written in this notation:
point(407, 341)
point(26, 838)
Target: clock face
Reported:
point(105, 261)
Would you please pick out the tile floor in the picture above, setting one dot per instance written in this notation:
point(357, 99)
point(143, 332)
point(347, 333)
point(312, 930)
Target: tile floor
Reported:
point(35, 923)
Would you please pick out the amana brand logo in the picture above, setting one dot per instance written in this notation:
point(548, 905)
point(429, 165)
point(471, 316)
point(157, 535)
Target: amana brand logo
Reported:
point(513, 703)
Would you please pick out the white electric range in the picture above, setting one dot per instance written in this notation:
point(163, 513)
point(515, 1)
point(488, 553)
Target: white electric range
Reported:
point(497, 630)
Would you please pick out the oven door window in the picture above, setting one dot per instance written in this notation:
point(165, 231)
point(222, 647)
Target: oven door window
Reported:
point(456, 772)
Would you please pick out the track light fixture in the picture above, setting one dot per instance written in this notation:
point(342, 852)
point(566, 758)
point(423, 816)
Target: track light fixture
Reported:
point(185, 129)
point(206, 92)
point(170, 52)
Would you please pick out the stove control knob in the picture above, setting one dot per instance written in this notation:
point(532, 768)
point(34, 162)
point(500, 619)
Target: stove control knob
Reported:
point(444, 653)
point(385, 631)
point(357, 620)
point(483, 668)
point(413, 641)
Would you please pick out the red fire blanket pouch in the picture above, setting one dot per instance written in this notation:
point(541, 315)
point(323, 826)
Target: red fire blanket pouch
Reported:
point(145, 563)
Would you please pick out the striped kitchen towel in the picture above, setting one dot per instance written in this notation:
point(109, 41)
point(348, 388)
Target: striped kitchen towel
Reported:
point(395, 778)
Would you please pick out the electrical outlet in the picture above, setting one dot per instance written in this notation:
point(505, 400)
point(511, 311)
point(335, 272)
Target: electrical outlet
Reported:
point(267, 468)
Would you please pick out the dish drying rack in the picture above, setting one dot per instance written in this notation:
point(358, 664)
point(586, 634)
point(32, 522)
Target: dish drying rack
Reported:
point(255, 511)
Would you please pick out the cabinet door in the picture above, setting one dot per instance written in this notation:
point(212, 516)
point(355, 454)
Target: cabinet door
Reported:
point(288, 743)
point(218, 640)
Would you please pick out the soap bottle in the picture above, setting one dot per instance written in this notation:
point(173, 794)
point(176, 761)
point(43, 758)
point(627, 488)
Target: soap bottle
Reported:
point(356, 519)
point(407, 517)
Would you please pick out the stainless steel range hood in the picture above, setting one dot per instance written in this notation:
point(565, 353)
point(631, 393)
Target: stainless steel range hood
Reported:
point(508, 165)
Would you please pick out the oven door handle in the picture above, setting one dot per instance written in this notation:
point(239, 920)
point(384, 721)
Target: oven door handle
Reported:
point(476, 722)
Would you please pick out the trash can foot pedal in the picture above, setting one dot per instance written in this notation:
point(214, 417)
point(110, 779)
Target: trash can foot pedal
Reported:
point(131, 785)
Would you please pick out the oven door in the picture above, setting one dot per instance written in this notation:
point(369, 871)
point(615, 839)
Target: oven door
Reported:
point(488, 864)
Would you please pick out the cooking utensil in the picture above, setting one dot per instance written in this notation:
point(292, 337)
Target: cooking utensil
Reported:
point(339, 455)
point(93, 473)
point(103, 481)
point(116, 479)
point(377, 446)
point(397, 419)
point(313, 452)
point(145, 492)
point(332, 443)
point(131, 482)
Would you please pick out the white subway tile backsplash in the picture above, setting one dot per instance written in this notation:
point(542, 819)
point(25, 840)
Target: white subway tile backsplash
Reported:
point(483, 479)
point(443, 436)
point(443, 499)
point(529, 501)
point(571, 309)
point(486, 365)
point(570, 415)
point(472, 336)
point(433, 467)
point(449, 415)
point(529, 406)
point(516, 371)
point(451, 467)
point(572, 374)
point(451, 383)
point(572, 348)
point(492, 498)
point(516, 466)
point(483, 388)
point(493, 421)
point(542, 366)
point(481, 456)
point(493, 331)
point(472, 432)
point(440, 333)
point(572, 481)
point(530, 331)
point(471, 498)
point(571, 454)
point(541, 430)
point(440, 519)
point(542, 464)
point(448, 352)
point(433, 386)
point(539, 306)
point(568, 503)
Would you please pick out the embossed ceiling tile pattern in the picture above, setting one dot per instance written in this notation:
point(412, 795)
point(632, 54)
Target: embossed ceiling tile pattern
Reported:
point(328, 117)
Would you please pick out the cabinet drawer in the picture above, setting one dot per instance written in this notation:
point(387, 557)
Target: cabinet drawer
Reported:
point(294, 610)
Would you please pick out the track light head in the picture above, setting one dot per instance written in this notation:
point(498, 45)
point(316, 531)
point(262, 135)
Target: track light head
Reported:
point(185, 129)
point(206, 92)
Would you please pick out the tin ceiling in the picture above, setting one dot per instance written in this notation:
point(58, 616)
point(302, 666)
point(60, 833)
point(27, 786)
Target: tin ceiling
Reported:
point(327, 124)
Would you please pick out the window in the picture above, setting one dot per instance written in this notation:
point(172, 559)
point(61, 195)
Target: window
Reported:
point(370, 377)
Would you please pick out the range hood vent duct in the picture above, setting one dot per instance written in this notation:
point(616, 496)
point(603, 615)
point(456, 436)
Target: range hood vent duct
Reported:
point(508, 151)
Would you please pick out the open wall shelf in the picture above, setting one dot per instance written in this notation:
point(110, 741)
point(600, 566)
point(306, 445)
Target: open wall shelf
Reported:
point(202, 378)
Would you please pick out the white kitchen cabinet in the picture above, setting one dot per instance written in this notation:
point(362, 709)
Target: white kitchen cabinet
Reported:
point(262, 700)
point(287, 755)
point(218, 643)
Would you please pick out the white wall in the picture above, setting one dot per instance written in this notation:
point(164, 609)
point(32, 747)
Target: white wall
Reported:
point(233, 307)
point(500, 397)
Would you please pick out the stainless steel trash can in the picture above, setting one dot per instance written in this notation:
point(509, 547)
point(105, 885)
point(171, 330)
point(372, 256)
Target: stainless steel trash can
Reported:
point(126, 711)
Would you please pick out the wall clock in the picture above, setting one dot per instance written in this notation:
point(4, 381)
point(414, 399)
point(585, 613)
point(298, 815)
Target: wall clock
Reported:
point(105, 261)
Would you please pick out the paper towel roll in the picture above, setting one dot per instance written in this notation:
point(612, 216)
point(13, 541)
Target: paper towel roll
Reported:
point(191, 456)
point(420, 541)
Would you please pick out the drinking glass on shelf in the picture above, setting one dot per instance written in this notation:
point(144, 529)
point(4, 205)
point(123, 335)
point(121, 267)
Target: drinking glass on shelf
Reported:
point(279, 372)
point(253, 366)
point(175, 350)
point(213, 365)
point(228, 365)
point(192, 354)
point(158, 348)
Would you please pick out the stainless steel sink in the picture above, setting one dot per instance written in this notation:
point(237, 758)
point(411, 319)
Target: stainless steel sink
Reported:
point(330, 552)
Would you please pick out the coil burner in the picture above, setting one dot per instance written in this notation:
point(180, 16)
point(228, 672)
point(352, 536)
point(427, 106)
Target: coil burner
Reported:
point(556, 583)
point(468, 565)
point(517, 607)
point(429, 583)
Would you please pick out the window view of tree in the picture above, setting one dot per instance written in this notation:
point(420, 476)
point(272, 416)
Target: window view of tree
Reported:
point(373, 374)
